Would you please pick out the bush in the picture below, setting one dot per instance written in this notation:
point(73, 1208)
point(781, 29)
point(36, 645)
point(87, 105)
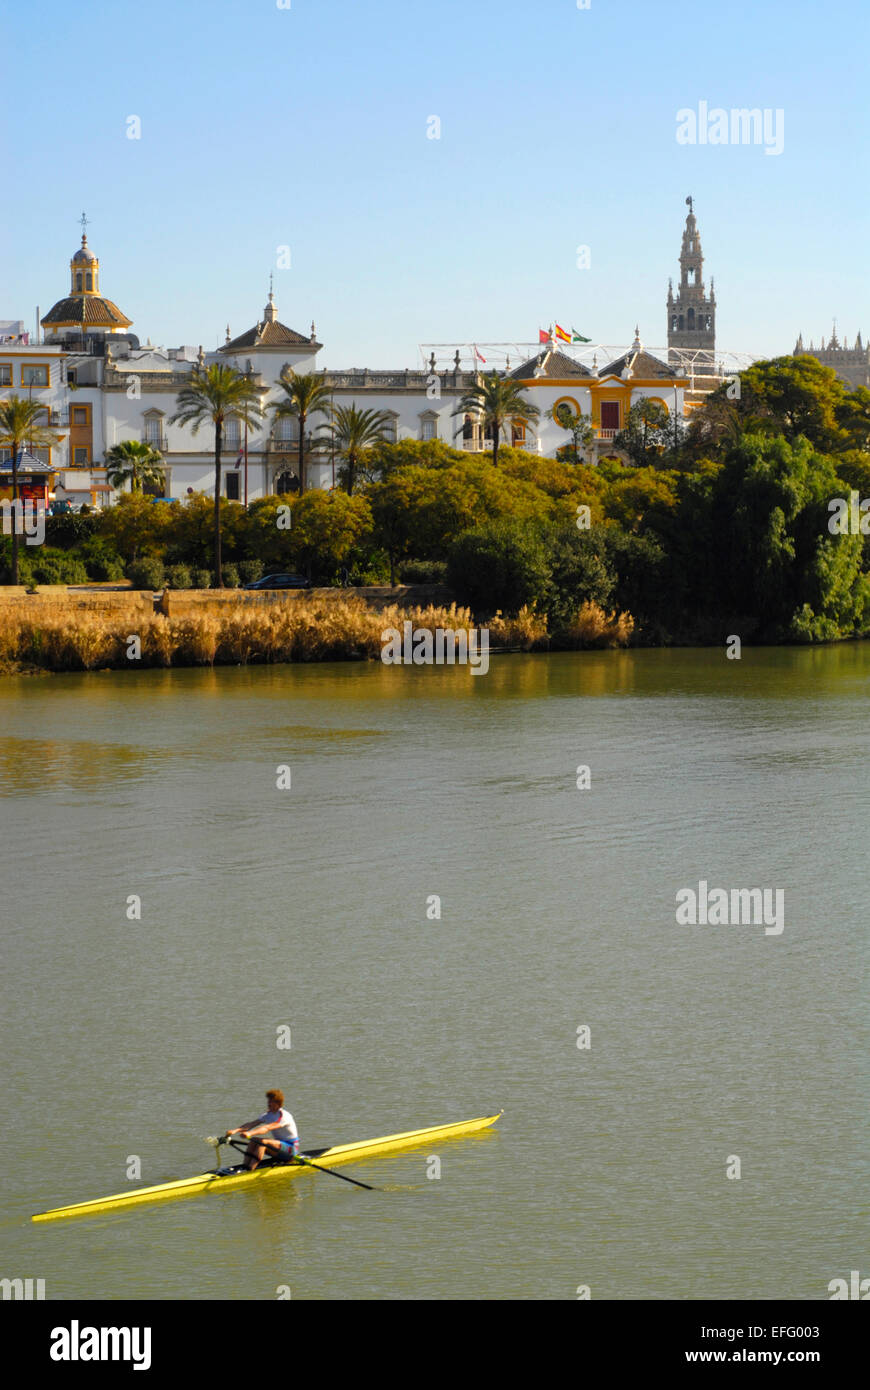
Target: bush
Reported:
point(147, 573)
point(501, 566)
point(70, 529)
point(423, 572)
point(231, 576)
point(250, 570)
point(101, 560)
point(179, 577)
point(579, 572)
point(201, 579)
point(47, 566)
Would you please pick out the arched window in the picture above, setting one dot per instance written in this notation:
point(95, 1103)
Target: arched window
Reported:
point(681, 323)
point(468, 428)
point(78, 281)
point(89, 281)
point(691, 323)
point(674, 324)
point(286, 482)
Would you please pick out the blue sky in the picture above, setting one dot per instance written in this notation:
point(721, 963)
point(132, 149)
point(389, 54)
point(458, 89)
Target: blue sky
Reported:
point(307, 127)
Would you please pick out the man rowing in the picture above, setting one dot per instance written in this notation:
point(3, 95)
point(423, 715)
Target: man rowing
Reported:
point(274, 1133)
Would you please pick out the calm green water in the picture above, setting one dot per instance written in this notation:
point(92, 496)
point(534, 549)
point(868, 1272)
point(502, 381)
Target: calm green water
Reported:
point(307, 907)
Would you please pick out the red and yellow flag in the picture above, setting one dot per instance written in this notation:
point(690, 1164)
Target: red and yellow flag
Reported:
point(562, 335)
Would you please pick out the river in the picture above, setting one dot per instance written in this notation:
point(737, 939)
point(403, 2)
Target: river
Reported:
point(310, 908)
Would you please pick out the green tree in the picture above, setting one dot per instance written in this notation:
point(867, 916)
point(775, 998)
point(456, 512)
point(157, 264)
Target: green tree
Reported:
point(216, 394)
point(136, 526)
point(135, 462)
point(326, 527)
point(352, 433)
point(797, 396)
point(779, 567)
point(20, 425)
point(853, 417)
point(580, 428)
point(304, 395)
point(580, 572)
point(499, 566)
point(386, 457)
point(191, 535)
point(496, 401)
point(267, 531)
point(402, 506)
point(645, 433)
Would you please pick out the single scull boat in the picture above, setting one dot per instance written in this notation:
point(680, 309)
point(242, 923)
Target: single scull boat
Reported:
point(336, 1156)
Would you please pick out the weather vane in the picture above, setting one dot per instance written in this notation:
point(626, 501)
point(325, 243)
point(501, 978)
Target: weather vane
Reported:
point(691, 204)
point(85, 224)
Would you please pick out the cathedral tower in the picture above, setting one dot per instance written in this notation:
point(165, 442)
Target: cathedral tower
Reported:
point(691, 312)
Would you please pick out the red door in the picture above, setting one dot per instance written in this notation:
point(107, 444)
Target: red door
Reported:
point(610, 415)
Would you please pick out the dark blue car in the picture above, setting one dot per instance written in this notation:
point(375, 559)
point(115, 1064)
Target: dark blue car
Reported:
point(280, 581)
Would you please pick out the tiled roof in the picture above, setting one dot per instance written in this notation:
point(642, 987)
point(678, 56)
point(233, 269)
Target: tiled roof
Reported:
point(643, 365)
point(266, 334)
point(555, 364)
point(27, 464)
point(96, 311)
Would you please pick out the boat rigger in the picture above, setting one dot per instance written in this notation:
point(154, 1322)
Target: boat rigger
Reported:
point(334, 1157)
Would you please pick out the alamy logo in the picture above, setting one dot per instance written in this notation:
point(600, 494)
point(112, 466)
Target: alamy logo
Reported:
point(75, 1343)
point(741, 125)
point(850, 518)
point(27, 519)
point(443, 647)
point(856, 1287)
point(24, 1289)
point(742, 907)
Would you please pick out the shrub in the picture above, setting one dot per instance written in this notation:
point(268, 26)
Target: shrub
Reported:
point(201, 579)
point(54, 567)
point(146, 573)
point(250, 570)
point(179, 577)
point(70, 529)
point(101, 560)
point(499, 566)
point(231, 576)
point(423, 572)
point(579, 572)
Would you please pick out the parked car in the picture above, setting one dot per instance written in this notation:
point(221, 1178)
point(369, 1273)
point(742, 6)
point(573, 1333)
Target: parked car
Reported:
point(280, 581)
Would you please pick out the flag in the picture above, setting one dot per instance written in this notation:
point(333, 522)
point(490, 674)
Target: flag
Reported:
point(562, 335)
point(578, 337)
point(241, 458)
point(478, 354)
point(543, 337)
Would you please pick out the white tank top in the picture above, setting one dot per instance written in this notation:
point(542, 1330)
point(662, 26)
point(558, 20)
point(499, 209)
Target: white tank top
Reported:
point(287, 1129)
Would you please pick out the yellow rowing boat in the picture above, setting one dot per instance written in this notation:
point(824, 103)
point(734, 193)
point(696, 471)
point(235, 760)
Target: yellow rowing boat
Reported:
point(334, 1157)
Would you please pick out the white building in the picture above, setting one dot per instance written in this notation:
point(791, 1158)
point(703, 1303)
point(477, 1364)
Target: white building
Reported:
point(99, 387)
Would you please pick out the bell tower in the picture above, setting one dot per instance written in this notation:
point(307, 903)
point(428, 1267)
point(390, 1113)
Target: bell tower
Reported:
point(691, 312)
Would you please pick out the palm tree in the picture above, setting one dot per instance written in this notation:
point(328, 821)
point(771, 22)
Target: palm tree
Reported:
point(496, 400)
point(19, 422)
point(303, 396)
point(217, 393)
point(352, 431)
point(136, 462)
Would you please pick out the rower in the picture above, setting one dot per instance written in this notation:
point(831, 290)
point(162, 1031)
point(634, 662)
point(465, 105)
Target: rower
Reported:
point(274, 1134)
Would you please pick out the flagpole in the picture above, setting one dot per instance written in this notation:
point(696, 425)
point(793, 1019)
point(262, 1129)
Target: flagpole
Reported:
point(246, 460)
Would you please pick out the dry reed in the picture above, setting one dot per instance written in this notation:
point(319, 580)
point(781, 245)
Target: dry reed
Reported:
point(50, 633)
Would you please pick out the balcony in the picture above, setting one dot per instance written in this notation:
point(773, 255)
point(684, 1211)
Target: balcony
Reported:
point(156, 441)
point(606, 434)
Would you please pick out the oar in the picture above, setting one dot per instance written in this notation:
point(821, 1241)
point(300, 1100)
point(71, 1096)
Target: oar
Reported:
point(306, 1162)
point(333, 1174)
